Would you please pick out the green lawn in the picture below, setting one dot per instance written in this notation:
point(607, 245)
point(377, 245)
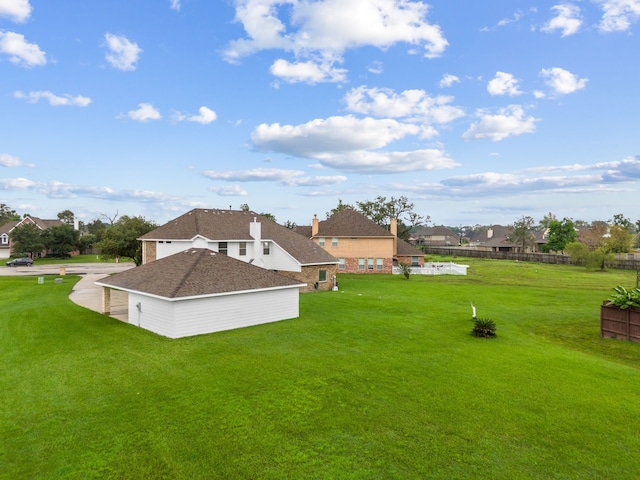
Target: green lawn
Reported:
point(380, 380)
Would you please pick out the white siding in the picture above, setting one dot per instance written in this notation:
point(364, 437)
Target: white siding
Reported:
point(185, 318)
point(278, 259)
point(207, 315)
point(164, 249)
point(155, 314)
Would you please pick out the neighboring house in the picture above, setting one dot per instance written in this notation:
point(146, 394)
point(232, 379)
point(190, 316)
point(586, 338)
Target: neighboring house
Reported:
point(199, 291)
point(493, 239)
point(361, 245)
point(245, 236)
point(407, 253)
point(6, 246)
point(435, 236)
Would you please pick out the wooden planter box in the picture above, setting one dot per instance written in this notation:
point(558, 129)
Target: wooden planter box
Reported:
point(620, 324)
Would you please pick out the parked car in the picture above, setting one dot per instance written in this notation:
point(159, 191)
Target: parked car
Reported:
point(17, 262)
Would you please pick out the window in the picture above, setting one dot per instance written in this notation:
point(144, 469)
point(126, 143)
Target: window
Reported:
point(265, 248)
point(361, 264)
point(222, 247)
point(379, 263)
point(321, 241)
point(341, 264)
point(370, 263)
point(415, 261)
point(322, 276)
point(243, 249)
point(334, 242)
point(4, 239)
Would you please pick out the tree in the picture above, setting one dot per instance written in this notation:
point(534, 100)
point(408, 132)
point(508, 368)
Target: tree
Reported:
point(341, 206)
point(96, 228)
point(547, 220)
point(121, 239)
point(621, 221)
point(61, 240)
point(7, 214)
point(86, 242)
point(67, 216)
point(561, 233)
point(521, 233)
point(290, 225)
point(27, 238)
point(269, 216)
point(592, 258)
point(620, 240)
point(245, 207)
point(381, 211)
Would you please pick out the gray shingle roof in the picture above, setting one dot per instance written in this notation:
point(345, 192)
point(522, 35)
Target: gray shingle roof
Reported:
point(196, 272)
point(405, 248)
point(350, 223)
point(233, 225)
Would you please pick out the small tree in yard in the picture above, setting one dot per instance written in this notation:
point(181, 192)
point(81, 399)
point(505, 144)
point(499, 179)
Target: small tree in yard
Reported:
point(483, 327)
point(405, 269)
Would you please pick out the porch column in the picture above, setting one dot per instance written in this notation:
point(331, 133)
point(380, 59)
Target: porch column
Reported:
point(106, 300)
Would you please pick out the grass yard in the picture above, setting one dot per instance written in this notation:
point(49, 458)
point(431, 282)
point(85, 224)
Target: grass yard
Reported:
point(380, 380)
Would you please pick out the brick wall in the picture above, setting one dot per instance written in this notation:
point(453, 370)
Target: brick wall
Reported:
point(310, 276)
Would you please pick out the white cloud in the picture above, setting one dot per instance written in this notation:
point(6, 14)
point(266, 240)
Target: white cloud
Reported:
point(307, 72)
point(324, 137)
point(375, 67)
point(507, 122)
point(503, 84)
point(145, 112)
point(350, 144)
point(567, 20)
point(253, 175)
point(378, 162)
point(123, 54)
point(175, 5)
point(20, 51)
point(448, 80)
point(562, 81)
point(284, 177)
point(229, 191)
point(323, 30)
point(54, 100)
point(618, 15)
point(7, 160)
point(414, 105)
point(16, 184)
point(205, 116)
point(16, 10)
point(516, 18)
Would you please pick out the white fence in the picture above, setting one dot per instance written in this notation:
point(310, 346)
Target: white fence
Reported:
point(439, 268)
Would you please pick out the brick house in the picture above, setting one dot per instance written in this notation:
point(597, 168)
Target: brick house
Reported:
point(360, 244)
point(6, 246)
point(245, 236)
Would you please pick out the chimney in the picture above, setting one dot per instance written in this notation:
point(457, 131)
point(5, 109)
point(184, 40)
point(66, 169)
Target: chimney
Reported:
point(490, 233)
point(394, 229)
point(255, 230)
point(314, 225)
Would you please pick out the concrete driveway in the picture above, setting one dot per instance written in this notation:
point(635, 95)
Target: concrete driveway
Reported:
point(85, 293)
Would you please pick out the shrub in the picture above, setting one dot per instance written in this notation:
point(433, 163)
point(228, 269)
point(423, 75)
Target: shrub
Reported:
point(483, 327)
point(405, 269)
point(623, 298)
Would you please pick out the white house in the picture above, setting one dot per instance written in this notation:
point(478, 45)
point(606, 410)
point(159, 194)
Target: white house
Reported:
point(248, 237)
point(199, 291)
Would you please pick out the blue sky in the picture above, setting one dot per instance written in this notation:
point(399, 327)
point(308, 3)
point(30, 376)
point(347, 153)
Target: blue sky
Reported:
point(478, 112)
